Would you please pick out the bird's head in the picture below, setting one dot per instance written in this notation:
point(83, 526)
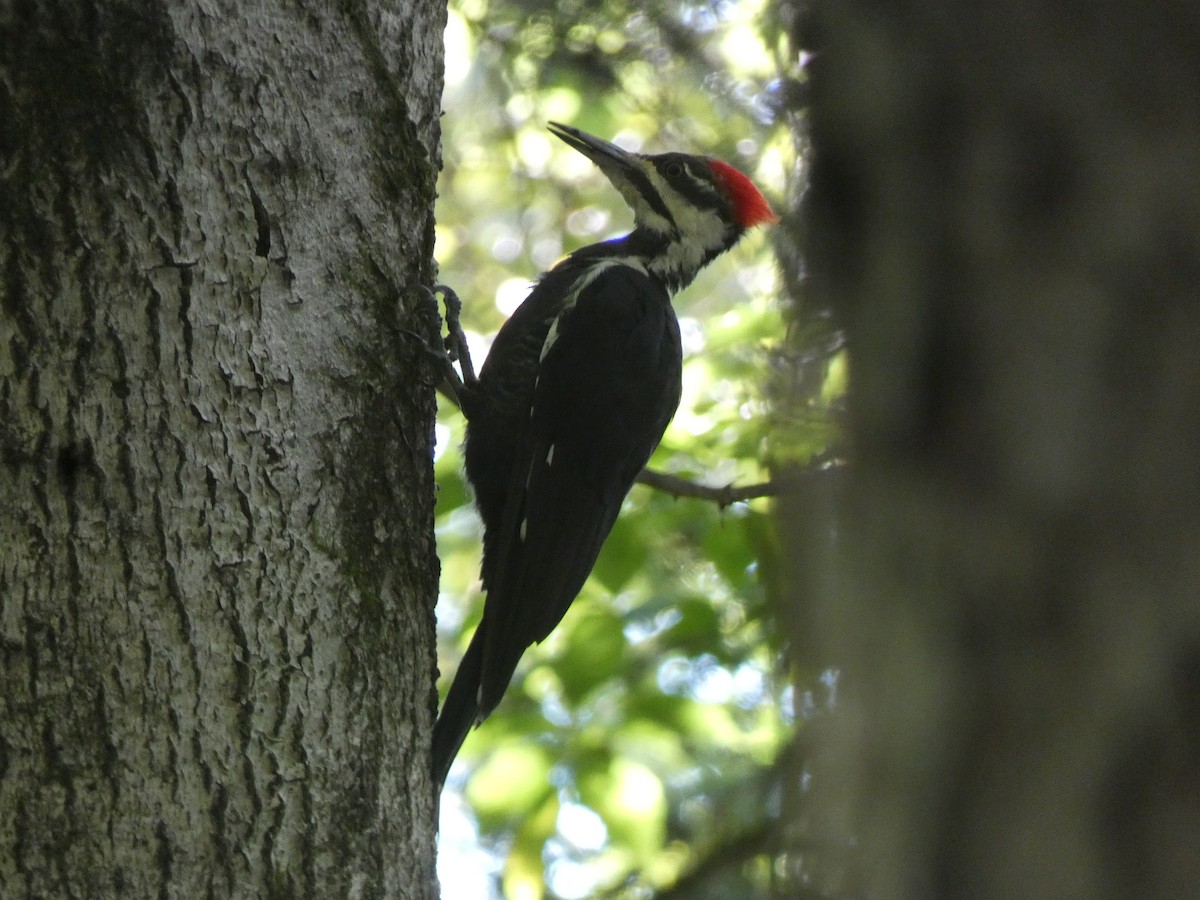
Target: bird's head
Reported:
point(694, 206)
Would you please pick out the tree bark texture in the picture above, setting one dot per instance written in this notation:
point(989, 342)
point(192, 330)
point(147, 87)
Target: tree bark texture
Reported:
point(1003, 213)
point(217, 569)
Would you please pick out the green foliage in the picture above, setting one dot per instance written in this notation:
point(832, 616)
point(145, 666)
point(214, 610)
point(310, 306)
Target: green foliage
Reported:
point(635, 745)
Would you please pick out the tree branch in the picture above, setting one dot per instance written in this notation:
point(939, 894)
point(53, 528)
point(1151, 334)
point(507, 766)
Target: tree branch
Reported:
point(730, 494)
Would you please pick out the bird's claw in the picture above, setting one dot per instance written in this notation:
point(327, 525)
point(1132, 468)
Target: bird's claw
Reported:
point(456, 338)
point(454, 346)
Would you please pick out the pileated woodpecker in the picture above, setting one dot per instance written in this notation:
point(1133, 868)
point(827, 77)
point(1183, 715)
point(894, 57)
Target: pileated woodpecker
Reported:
point(575, 394)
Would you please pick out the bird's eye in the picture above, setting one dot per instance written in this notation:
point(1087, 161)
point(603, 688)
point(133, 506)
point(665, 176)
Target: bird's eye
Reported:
point(675, 169)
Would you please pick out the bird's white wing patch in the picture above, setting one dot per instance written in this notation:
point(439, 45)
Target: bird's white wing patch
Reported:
point(581, 283)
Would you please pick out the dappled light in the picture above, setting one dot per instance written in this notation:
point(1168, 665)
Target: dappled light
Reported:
point(611, 761)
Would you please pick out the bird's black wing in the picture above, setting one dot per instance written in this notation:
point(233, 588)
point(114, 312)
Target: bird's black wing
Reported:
point(608, 384)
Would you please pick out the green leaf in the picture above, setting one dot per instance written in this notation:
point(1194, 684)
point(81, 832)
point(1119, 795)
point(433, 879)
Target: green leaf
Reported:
point(595, 651)
point(632, 801)
point(510, 783)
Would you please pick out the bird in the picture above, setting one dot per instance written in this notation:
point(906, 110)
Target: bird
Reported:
point(573, 398)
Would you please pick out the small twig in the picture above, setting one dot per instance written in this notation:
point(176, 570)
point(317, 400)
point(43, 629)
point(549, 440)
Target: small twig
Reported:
point(730, 494)
point(722, 496)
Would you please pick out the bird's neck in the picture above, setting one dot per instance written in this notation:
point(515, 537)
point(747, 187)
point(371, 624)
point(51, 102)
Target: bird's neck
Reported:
point(669, 258)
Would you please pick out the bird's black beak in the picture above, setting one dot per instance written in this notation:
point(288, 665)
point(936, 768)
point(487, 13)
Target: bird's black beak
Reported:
point(609, 157)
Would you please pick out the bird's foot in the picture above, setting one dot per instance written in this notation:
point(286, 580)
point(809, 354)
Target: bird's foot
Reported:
point(456, 339)
point(454, 347)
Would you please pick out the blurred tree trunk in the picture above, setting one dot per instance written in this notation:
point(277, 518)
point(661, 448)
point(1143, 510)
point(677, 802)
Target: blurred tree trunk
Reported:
point(1005, 214)
point(217, 569)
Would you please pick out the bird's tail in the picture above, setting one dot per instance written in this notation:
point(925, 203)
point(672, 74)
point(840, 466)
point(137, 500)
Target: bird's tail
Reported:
point(459, 712)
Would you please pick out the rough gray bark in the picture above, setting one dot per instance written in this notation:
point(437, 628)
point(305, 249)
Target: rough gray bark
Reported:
point(218, 571)
point(1004, 213)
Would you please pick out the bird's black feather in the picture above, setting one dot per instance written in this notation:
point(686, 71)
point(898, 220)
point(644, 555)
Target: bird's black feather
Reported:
point(603, 395)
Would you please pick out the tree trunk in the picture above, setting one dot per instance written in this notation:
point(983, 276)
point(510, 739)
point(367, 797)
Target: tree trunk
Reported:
point(1004, 213)
point(218, 570)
